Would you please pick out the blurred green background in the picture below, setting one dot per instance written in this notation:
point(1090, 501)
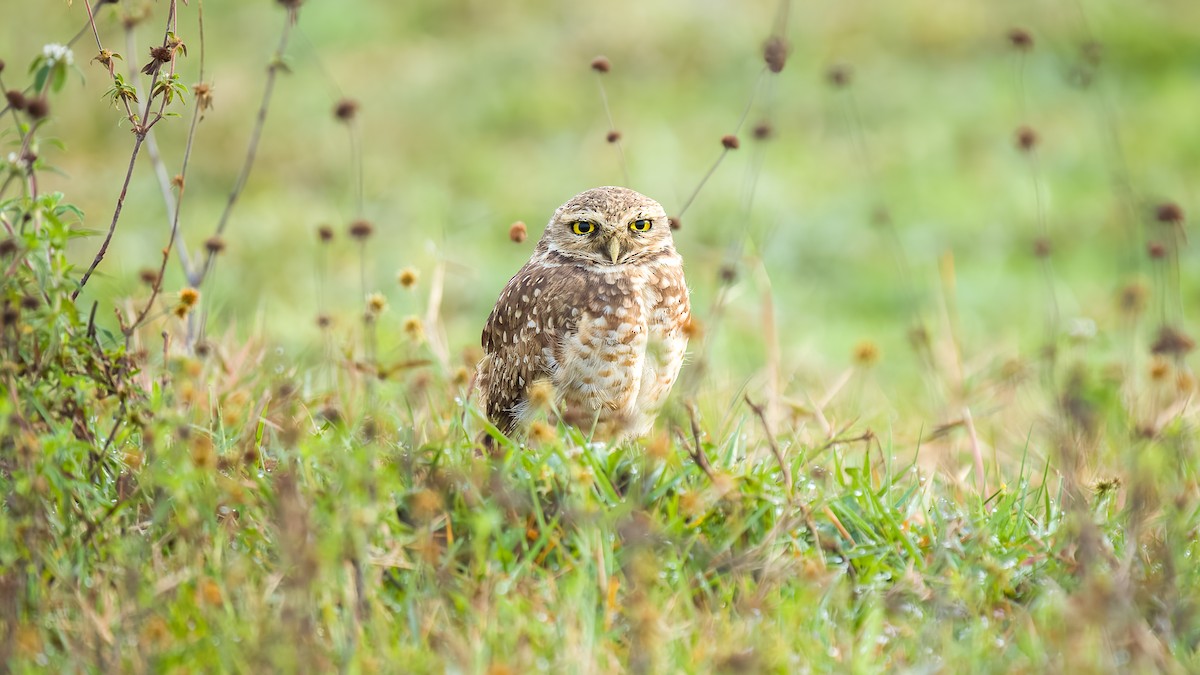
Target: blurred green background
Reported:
point(476, 114)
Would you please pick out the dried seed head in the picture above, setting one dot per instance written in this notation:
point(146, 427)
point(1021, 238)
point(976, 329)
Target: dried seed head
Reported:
point(177, 182)
point(325, 233)
point(540, 432)
point(1159, 369)
point(189, 296)
point(1169, 212)
point(866, 354)
point(674, 222)
point(323, 321)
point(376, 303)
point(1020, 39)
point(541, 394)
point(1041, 247)
point(839, 75)
point(1172, 341)
point(517, 232)
point(1027, 138)
point(346, 109)
point(37, 108)
point(1156, 250)
point(775, 53)
point(727, 274)
point(361, 229)
point(148, 276)
point(161, 54)
point(414, 328)
point(203, 92)
point(15, 99)
point(601, 64)
point(1133, 299)
point(763, 131)
point(730, 142)
point(214, 244)
point(613, 136)
point(407, 278)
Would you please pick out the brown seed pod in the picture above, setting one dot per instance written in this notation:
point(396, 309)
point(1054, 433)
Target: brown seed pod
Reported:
point(775, 53)
point(1020, 39)
point(601, 64)
point(730, 142)
point(517, 232)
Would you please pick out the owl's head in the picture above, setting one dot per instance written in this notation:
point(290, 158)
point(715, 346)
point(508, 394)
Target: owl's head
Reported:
point(608, 226)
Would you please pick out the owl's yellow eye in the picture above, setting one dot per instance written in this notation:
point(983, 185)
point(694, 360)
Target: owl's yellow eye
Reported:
point(583, 227)
point(641, 224)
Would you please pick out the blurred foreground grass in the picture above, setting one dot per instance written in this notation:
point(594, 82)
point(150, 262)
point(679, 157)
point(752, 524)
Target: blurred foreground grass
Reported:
point(278, 496)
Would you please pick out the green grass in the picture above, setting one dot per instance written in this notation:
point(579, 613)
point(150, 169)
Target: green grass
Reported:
point(261, 494)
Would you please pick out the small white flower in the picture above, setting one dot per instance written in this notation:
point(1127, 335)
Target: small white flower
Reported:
point(55, 52)
point(1081, 328)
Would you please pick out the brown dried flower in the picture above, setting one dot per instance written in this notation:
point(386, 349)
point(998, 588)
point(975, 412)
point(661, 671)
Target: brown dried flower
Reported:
point(1156, 250)
point(601, 64)
point(148, 276)
point(1133, 298)
point(325, 233)
point(37, 108)
point(613, 136)
point(15, 99)
point(203, 91)
point(214, 244)
point(346, 109)
point(1020, 39)
point(1041, 247)
point(839, 75)
point(730, 142)
point(361, 229)
point(1172, 341)
point(1169, 212)
point(763, 131)
point(517, 232)
point(1027, 138)
point(775, 53)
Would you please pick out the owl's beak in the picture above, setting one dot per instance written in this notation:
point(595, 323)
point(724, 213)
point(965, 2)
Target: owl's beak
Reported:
point(614, 249)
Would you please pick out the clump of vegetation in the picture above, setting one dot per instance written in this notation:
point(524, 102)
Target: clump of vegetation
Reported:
point(180, 497)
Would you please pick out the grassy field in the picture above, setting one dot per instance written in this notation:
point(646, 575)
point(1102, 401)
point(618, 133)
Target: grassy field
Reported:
point(938, 415)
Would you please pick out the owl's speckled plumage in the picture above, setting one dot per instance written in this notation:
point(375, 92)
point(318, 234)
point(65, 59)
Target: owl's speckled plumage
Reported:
point(601, 316)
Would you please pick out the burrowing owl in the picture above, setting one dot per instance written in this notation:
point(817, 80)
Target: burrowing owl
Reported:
point(596, 321)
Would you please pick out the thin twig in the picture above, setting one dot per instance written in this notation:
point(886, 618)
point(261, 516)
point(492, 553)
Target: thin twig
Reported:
point(255, 136)
point(160, 169)
point(783, 465)
point(177, 204)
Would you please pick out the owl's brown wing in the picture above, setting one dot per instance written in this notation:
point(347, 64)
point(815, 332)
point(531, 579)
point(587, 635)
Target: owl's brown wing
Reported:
point(523, 335)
